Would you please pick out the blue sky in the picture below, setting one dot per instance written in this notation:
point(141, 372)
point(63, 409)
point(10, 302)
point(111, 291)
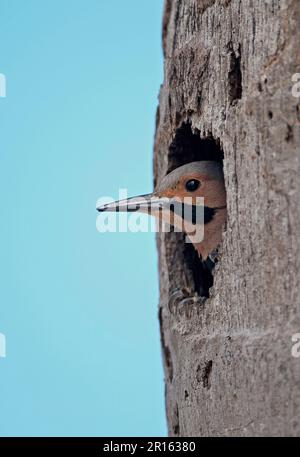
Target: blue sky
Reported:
point(78, 308)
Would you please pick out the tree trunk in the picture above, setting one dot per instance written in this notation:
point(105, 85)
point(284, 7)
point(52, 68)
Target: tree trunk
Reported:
point(227, 94)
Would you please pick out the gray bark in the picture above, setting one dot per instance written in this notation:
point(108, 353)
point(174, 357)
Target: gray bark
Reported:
point(227, 89)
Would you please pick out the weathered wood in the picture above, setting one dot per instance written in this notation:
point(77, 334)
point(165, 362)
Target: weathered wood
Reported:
point(228, 70)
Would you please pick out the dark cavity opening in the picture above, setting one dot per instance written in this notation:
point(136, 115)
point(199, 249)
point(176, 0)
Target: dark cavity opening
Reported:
point(235, 76)
point(187, 147)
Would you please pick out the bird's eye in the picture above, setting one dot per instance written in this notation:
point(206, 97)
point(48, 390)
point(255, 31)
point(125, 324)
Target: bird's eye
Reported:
point(192, 185)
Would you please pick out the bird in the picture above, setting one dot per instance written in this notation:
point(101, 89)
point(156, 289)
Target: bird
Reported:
point(176, 198)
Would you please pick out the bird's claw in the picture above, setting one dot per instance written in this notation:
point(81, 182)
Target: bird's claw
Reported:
point(184, 299)
point(214, 256)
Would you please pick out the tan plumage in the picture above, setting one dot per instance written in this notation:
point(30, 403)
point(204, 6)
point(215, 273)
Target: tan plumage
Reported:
point(212, 188)
point(197, 179)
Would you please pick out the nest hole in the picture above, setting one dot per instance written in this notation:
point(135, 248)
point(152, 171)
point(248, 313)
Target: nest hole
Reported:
point(188, 146)
point(235, 78)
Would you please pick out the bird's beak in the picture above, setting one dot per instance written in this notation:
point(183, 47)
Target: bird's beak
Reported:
point(149, 203)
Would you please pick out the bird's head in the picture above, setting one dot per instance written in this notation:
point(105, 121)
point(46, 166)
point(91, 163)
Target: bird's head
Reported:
point(197, 179)
point(194, 188)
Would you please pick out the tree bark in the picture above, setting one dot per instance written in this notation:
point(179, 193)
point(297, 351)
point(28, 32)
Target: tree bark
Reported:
point(227, 93)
